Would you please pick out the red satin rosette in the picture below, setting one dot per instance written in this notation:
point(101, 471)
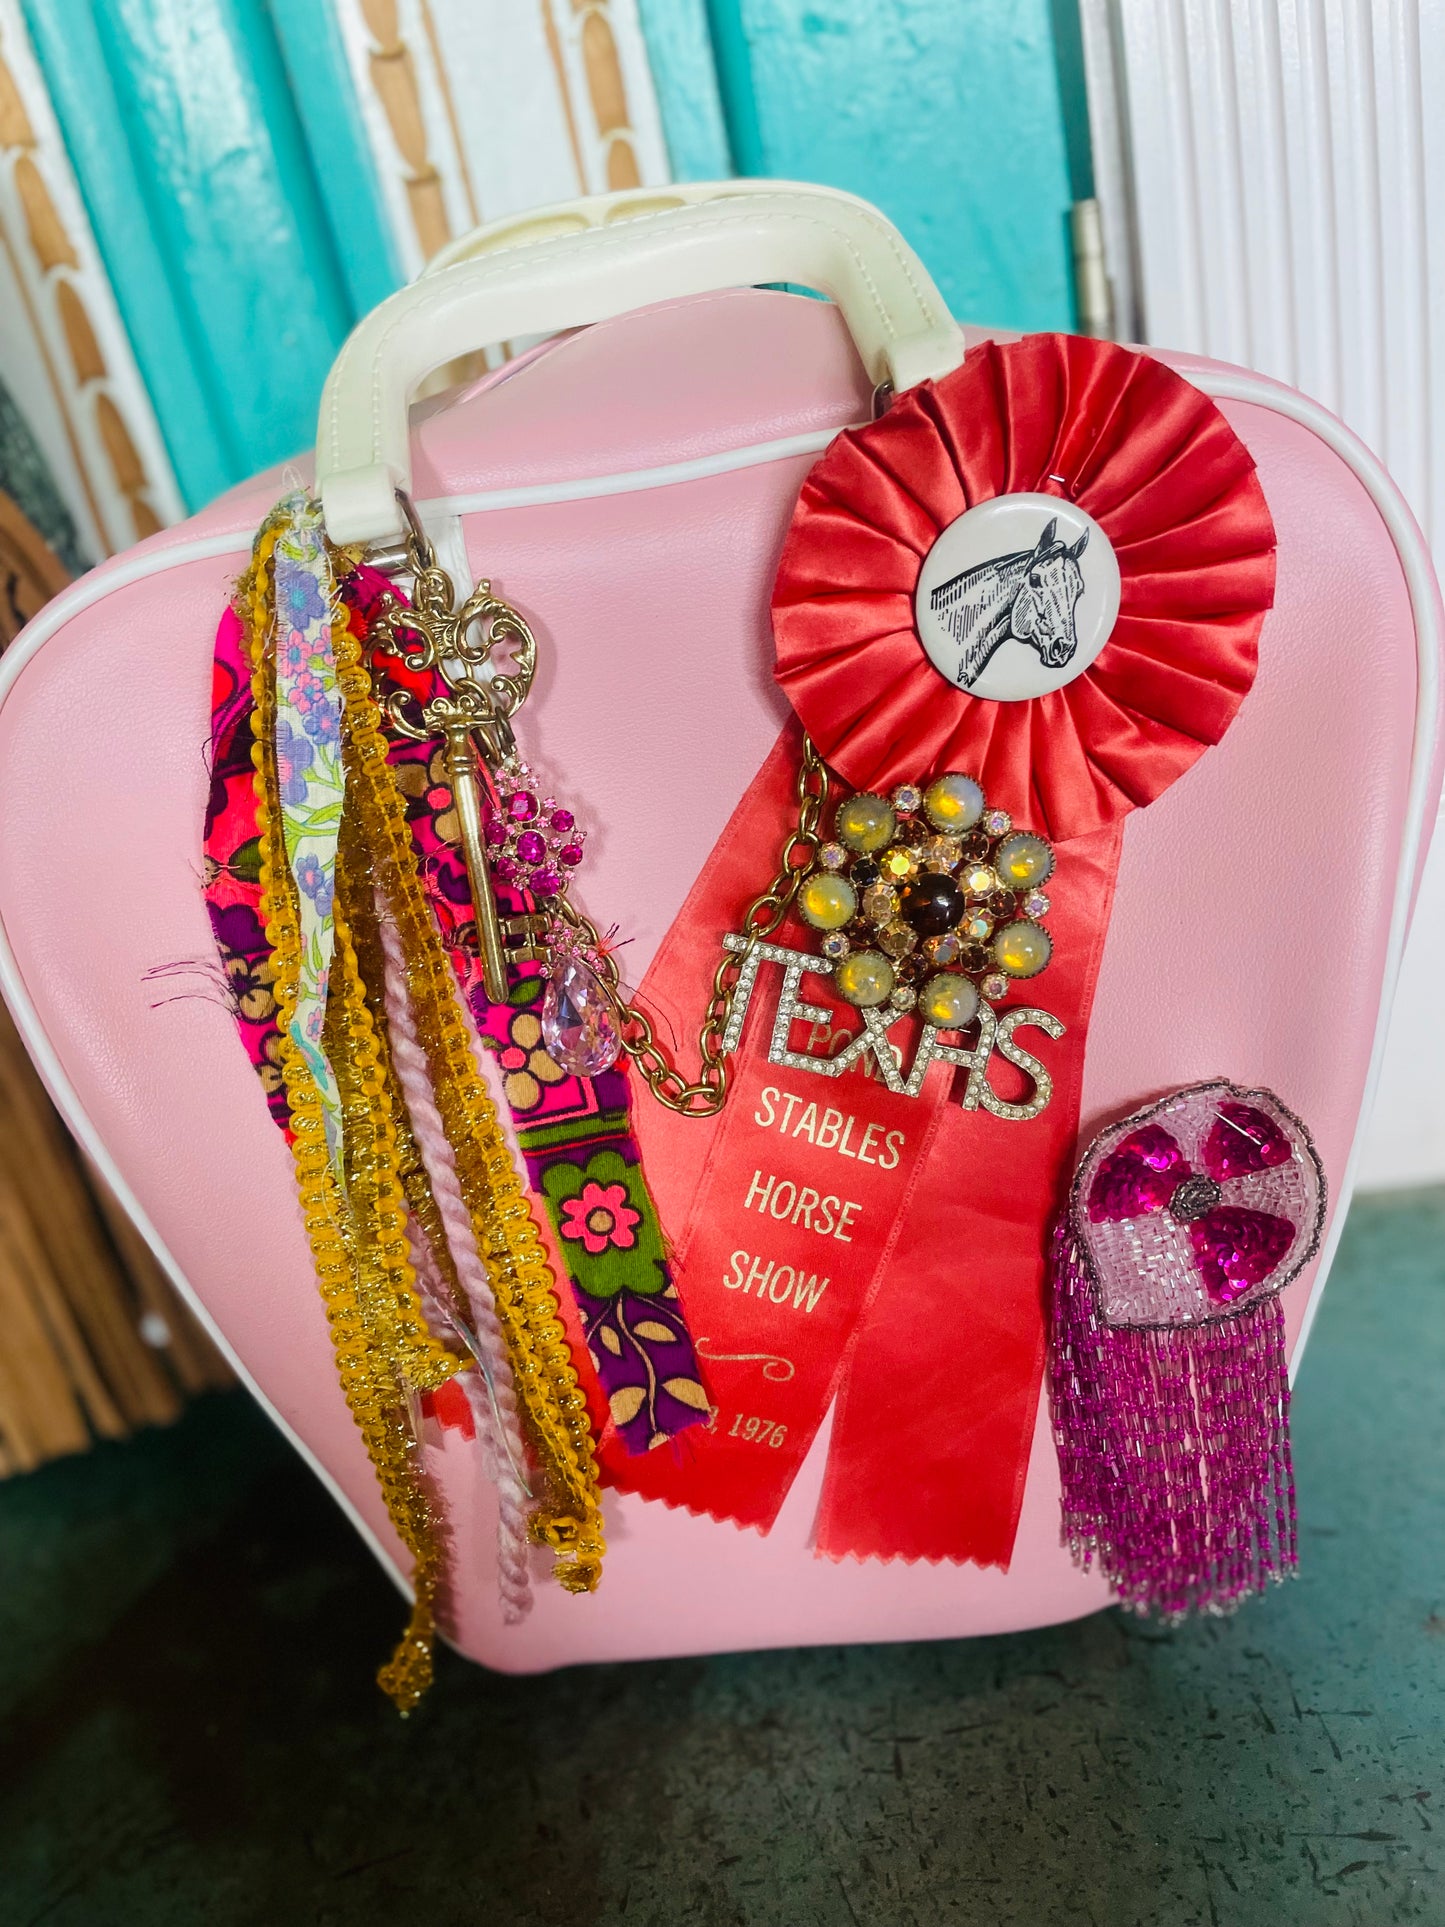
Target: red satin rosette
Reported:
point(1156, 465)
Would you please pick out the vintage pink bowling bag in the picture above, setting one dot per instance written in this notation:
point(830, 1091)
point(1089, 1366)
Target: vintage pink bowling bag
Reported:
point(1175, 621)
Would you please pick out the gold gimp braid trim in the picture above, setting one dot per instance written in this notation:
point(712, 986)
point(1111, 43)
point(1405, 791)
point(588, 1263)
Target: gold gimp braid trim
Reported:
point(568, 1517)
point(375, 1318)
point(375, 1199)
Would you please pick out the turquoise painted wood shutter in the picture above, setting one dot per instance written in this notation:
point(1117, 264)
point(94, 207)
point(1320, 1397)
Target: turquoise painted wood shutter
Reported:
point(964, 120)
point(199, 181)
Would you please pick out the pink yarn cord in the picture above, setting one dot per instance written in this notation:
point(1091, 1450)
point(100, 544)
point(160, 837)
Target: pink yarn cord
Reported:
point(413, 1074)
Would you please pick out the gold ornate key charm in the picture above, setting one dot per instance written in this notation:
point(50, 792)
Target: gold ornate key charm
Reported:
point(472, 718)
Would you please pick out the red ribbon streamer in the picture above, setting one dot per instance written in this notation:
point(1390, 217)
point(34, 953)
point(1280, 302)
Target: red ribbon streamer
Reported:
point(932, 1319)
point(774, 1296)
point(930, 1444)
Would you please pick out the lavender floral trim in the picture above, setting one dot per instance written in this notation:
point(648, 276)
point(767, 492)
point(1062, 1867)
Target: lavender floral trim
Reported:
point(312, 780)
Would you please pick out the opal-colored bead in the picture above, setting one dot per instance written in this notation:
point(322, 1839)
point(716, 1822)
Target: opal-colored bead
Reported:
point(900, 862)
point(1024, 860)
point(1022, 949)
point(578, 1027)
point(865, 822)
point(953, 803)
point(865, 979)
point(827, 901)
point(949, 1001)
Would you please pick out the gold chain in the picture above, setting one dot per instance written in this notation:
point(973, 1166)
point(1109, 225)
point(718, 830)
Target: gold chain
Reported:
point(707, 1094)
point(442, 630)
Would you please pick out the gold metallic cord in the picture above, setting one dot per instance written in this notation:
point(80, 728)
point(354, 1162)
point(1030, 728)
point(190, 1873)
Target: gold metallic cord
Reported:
point(358, 1242)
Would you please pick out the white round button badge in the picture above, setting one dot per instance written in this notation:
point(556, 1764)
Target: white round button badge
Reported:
point(1017, 597)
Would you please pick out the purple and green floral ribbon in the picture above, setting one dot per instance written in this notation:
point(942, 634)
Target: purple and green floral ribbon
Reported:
point(576, 1136)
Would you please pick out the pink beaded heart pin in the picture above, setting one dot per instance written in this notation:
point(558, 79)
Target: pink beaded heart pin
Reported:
point(1198, 1207)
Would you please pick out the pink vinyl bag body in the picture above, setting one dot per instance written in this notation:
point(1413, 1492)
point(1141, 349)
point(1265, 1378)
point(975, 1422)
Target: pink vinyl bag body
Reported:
point(627, 486)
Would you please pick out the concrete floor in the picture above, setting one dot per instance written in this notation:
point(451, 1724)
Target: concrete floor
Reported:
point(188, 1730)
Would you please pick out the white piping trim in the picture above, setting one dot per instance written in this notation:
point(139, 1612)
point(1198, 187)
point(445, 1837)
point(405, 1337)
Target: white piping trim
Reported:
point(587, 487)
point(1419, 579)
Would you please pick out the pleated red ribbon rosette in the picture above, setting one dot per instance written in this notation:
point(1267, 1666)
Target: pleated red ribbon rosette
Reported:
point(930, 1331)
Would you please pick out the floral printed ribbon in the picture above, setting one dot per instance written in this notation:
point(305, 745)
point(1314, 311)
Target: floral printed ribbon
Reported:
point(576, 1137)
point(312, 783)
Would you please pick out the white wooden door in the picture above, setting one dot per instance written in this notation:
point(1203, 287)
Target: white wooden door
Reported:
point(1272, 174)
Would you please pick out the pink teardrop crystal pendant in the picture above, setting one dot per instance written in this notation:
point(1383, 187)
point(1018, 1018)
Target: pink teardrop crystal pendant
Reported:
point(578, 1026)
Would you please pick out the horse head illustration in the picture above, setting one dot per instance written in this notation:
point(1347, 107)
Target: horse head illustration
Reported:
point(1030, 597)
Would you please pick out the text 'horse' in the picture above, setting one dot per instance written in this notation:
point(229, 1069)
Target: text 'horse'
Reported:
point(1030, 597)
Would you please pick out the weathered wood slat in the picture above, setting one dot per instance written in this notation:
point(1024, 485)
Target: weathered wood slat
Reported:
point(77, 1361)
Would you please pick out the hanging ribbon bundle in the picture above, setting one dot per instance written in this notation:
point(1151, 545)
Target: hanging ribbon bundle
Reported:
point(326, 916)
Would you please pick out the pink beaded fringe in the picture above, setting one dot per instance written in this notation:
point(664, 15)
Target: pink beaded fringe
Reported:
point(1173, 1444)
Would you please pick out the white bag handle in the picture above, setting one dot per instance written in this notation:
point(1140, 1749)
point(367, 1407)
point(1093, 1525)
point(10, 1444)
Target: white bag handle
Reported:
point(588, 260)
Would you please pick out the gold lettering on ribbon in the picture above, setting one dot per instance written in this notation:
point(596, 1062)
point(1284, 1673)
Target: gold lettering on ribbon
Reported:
point(774, 1365)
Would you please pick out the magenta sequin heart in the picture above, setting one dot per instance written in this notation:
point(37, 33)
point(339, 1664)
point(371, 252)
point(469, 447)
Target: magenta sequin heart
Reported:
point(1237, 1249)
point(1199, 1207)
point(1141, 1175)
point(1243, 1140)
